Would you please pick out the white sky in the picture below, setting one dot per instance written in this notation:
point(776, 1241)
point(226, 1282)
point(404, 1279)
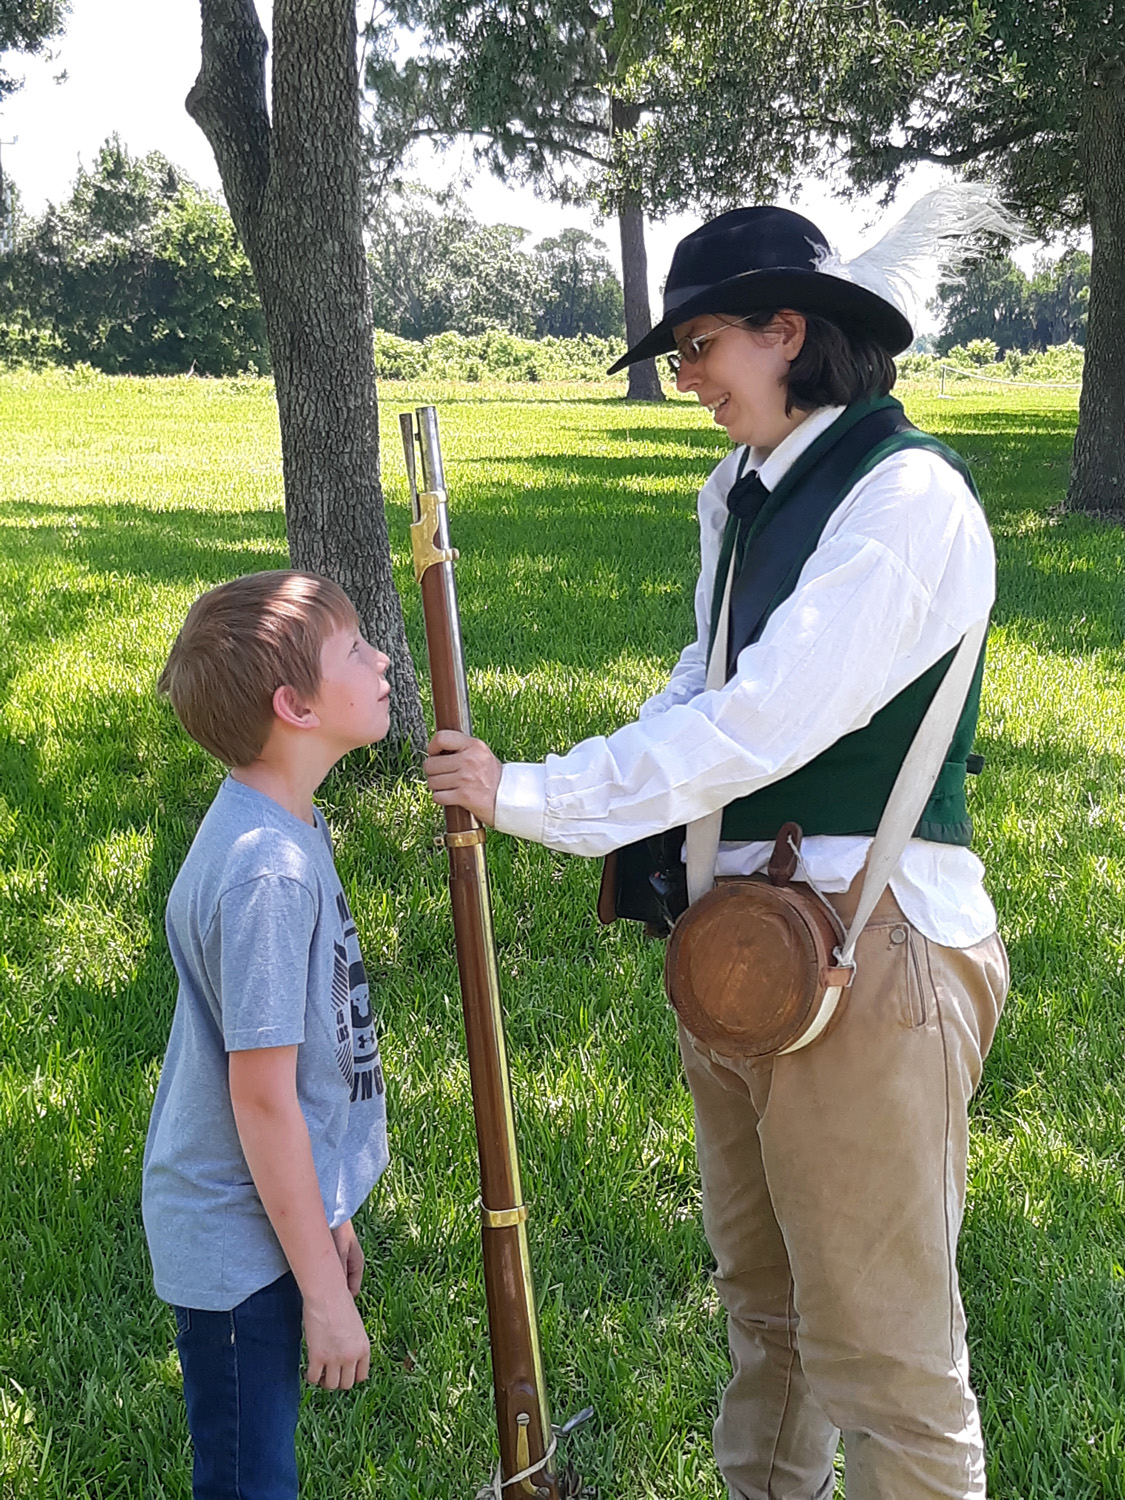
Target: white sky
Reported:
point(128, 65)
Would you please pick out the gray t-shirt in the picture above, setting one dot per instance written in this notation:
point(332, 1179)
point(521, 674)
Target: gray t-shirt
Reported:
point(267, 956)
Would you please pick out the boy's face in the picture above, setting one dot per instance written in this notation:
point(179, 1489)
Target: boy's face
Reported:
point(353, 700)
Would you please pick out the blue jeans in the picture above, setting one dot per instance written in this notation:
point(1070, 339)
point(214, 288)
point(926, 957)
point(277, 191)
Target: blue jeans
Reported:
point(242, 1387)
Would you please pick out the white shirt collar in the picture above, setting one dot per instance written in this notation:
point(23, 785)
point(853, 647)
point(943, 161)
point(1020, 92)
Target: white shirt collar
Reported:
point(773, 465)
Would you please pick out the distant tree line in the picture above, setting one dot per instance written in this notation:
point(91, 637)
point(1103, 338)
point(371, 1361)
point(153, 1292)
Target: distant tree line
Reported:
point(141, 272)
point(993, 299)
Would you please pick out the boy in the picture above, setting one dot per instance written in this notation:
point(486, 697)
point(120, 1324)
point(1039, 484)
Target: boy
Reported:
point(833, 1178)
point(269, 1125)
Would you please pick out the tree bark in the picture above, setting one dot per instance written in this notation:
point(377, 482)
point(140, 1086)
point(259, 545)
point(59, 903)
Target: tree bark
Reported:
point(1097, 481)
point(294, 192)
point(644, 382)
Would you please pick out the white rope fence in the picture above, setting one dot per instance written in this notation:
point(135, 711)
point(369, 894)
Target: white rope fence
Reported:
point(1039, 385)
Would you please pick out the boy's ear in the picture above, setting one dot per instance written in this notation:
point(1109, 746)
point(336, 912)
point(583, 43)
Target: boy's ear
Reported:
point(291, 709)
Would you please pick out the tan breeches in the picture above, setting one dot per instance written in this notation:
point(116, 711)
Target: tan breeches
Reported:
point(833, 1193)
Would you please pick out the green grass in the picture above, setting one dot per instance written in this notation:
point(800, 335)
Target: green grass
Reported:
point(574, 515)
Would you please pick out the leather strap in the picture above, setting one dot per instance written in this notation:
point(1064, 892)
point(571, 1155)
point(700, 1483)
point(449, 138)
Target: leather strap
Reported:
point(913, 785)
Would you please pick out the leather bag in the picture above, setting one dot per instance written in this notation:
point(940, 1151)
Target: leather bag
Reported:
point(751, 968)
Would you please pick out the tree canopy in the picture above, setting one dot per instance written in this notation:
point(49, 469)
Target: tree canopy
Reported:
point(1029, 93)
point(138, 272)
point(435, 267)
point(535, 84)
point(610, 101)
point(583, 295)
point(27, 26)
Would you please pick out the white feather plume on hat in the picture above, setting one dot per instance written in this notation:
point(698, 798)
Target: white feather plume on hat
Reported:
point(928, 244)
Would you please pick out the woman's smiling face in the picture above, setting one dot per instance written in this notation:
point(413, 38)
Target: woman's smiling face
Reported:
point(741, 375)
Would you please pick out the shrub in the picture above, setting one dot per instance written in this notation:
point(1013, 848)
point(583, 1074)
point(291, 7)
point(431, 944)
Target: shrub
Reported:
point(911, 366)
point(22, 344)
point(494, 355)
point(1060, 362)
point(982, 351)
point(398, 359)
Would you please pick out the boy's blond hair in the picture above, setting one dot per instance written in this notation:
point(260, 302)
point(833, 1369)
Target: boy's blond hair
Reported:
point(239, 644)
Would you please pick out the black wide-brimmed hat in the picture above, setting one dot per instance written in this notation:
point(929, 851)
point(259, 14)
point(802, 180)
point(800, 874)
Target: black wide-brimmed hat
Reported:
point(753, 259)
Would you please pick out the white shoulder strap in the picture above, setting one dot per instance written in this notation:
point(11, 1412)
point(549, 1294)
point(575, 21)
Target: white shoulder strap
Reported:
point(702, 836)
point(915, 780)
point(909, 795)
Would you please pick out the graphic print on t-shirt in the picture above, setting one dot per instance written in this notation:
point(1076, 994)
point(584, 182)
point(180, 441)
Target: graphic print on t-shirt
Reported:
point(357, 1046)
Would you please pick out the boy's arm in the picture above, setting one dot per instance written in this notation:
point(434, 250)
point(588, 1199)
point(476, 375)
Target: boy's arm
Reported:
point(275, 1142)
point(350, 1252)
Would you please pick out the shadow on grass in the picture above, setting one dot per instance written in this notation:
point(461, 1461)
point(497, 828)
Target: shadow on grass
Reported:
point(166, 546)
point(1058, 580)
point(1060, 587)
point(596, 556)
point(1063, 923)
point(1033, 425)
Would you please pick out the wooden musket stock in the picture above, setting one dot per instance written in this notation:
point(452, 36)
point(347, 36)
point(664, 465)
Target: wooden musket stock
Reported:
point(517, 1372)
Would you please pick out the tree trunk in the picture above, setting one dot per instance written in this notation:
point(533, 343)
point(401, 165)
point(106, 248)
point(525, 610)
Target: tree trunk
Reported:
point(293, 187)
point(1097, 481)
point(644, 382)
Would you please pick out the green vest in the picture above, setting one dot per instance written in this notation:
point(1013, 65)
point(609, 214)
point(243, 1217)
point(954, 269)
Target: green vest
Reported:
point(845, 789)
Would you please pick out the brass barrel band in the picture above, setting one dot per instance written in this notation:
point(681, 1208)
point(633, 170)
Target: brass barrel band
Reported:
point(464, 839)
point(503, 1218)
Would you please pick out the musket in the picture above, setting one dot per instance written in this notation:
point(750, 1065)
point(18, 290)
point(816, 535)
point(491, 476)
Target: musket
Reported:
point(527, 1443)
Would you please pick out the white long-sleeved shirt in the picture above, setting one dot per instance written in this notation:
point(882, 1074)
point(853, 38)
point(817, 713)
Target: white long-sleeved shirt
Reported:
point(903, 568)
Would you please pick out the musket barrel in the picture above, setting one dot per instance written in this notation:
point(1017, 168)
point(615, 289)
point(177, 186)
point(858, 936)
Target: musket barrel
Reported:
point(430, 443)
point(520, 1390)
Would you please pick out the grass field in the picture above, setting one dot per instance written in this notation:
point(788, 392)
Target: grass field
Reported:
point(574, 515)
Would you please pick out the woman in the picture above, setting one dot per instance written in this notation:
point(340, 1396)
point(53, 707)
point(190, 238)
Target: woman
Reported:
point(833, 1178)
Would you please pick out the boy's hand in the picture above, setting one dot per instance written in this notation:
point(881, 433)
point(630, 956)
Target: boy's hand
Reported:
point(463, 772)
point(350, 1252)
point(339, 1349)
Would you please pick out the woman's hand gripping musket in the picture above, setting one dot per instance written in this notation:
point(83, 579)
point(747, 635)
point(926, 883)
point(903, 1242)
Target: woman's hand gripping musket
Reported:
point(463, 772)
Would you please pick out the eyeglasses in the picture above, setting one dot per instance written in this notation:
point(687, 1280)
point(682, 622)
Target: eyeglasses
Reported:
point(690, 350)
